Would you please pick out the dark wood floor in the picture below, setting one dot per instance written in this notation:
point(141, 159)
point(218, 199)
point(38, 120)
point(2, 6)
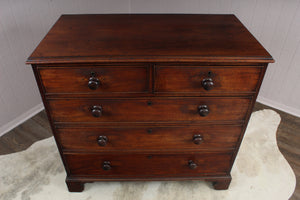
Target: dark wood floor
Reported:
point(37, 128)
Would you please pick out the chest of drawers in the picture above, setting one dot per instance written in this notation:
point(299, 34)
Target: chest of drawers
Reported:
point(148, 97)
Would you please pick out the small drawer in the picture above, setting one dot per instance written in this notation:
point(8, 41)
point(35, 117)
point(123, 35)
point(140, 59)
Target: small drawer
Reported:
point(137, 164)
point(211, 137)
point(207, 80)
point(190, 110)
point(95, 80)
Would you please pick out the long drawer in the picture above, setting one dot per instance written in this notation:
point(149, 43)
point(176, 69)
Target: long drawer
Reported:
point(108, 165)
point(149, 109)
point(135, 138)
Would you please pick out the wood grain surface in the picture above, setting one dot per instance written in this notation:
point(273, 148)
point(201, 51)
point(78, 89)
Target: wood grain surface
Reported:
point(190, 79)
point(139, 138)
point(113, 79)
point(146, 37)
point(149, 109)
point(143, 165)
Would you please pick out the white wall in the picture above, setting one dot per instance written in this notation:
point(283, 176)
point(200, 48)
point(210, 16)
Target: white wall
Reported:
point(23, 23)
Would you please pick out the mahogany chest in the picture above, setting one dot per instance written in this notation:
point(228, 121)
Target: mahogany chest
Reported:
point(148, 96)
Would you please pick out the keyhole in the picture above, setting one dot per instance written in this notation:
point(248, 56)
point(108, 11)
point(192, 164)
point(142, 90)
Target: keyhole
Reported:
point(93, 74)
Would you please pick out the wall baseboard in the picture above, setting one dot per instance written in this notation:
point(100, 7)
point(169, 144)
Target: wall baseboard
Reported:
point(279, 106)
point(20, 119)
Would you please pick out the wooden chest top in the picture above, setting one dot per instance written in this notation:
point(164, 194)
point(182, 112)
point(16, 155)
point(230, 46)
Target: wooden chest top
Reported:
point(148, 38)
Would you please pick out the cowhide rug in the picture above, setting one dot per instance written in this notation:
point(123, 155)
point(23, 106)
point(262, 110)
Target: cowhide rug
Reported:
point(259, 172)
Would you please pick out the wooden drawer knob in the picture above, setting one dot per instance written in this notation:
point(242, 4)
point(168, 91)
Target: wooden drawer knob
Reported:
point(203, 110)
point(207, 83)
point(192, 165)
point(97, 111)
point(102, 140)
point(94, 82)
point(197, 139)
point(106, 165)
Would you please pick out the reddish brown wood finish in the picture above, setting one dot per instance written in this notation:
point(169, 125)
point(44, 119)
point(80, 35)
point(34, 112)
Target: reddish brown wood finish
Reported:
point(148, 164)
point(149, 109)
point(148, 97)
point(75, 186)
point(214, 138)
point(150, 38)
point(116, 79)
point(189, 79)
point(222, 183)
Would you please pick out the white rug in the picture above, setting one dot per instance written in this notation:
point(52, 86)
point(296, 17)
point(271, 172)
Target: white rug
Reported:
point(260, 172)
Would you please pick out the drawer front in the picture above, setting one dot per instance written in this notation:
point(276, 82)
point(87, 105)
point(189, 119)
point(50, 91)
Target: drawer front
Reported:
point(212, 137)
point(96, 80)
point(148, 164)
point(206, 80)
point(149, 110)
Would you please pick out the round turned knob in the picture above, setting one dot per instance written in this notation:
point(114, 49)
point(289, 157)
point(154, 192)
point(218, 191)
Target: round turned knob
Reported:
point(97, 111)
point(207, 83)
point(106, 165)
point(94, 82)
point(102, 140)
point(192, 165)
point(197, 139)
point(203, 110)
